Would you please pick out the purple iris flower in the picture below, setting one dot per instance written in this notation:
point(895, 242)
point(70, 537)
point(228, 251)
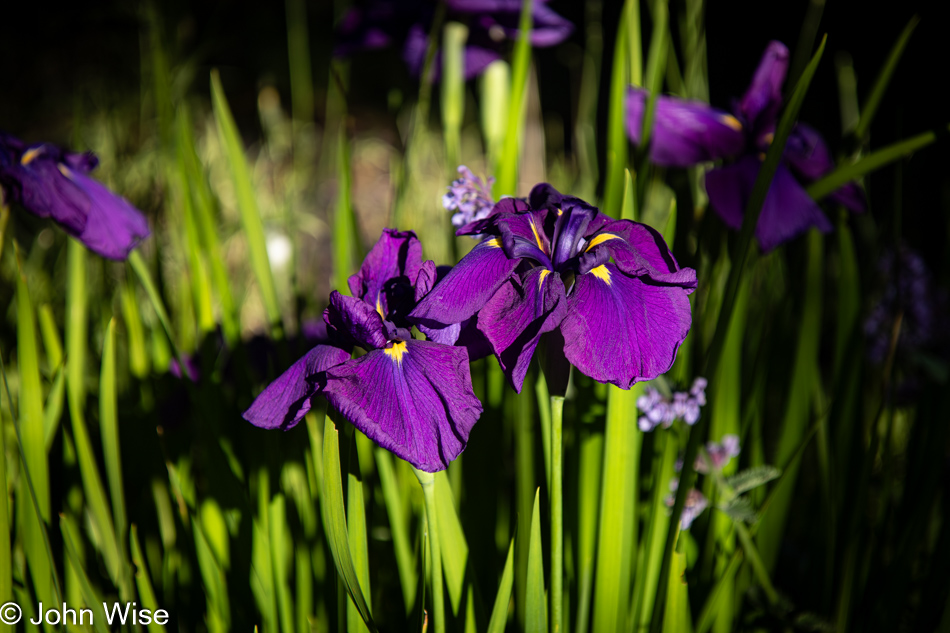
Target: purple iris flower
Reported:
point(411, 397)
point(684, 132)
point(546, 267)
point(51, 182)
point(788, 210)
point(383, 23)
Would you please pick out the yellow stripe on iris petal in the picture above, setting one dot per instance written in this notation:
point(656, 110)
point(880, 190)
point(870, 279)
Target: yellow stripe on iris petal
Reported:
point(397, 351)
point(30, 154)
point(732, 122)
point(379, 307)
point(600, 239)
point(601, 273)
point(537, 238)
point(64, 170)
point(493, 243)
point(544, 273)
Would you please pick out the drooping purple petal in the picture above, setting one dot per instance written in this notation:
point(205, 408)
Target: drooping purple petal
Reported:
point(810, 159)
point(518, 314)
point(34, 179)
point(466, 288)
point(286, 401)
point(638, 251)
point(113, 226)
point(416, 402)
point(684, 132)
point(388, 273)
point(787, 212)
point(622, 329)
point(760, 105)
point(352, 320)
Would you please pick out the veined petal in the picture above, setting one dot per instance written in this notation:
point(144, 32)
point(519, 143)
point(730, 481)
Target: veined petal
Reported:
point(417, 403)
point(638, 251)
point(787, 212)
point(684, 132)
point(466, 288)
point(287, 400)
point(35, 181)
point(520, 312)
point(351, 319)
point(523, 235)
point(621, 329)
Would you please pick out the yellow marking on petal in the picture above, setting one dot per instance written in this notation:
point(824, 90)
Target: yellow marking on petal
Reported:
point(544, 273)
point(560, 212)
point(494, 243)
point(732, 122)
point(600, 239)
point(64, 170)
point(379, 307)
point(601, 273)
point(397, 351)
point(768, 138)
point(537, 238)
point(30, 154)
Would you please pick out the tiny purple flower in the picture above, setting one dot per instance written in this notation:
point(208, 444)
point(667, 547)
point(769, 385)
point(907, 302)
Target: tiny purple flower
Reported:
point(469, 197)
point(411, 397)
point(610, 292)
point(53, 183)
point(696, 502)
point(681, 405)
point(718, 454)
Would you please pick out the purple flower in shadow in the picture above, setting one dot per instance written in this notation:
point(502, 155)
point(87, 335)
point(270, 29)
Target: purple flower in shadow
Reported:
point(53, 183)
point(378, 24)
point(684, 132)
point(608, 291)
point(411, 397)
point(788, 210)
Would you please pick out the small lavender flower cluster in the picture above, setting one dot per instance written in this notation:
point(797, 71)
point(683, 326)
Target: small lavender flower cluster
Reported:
point(469, 197)
point(717, 455)
point(683, 405)
point(696, 502)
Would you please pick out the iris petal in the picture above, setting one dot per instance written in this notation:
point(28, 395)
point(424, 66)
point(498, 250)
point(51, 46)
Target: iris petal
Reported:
point(351, 319)
point(286, 401)
point(622, 329)
point(762, 100)
point(466, 288)
point(113, 226)
point(520, 312)
point(389, 272)
point(684, 132)
point(421, 406)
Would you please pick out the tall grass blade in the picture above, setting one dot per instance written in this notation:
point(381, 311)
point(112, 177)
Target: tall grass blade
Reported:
point(884, 79)
point(398, 526)
point(357, 538)
point(507, 173)
point(495, 88)
point(111, 451)
point(334, 520)
point(247, 204)
point(454, 35)
point(90, 596)
point(499, 614)
point(617, 143)
point(146, 593)
point(536, 612)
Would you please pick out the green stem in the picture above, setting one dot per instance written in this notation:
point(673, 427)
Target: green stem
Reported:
point(557, 515)
point(427, 481)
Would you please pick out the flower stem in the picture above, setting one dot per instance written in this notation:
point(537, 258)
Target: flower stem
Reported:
point(557, 515)
point(427, 481)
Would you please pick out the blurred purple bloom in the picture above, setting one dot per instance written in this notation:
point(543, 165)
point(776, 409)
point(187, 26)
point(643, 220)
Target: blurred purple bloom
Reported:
point(684, 132)
point(681, 405)
point(379, 24)
point(788, 210)
point(719, 454)
point(546, 267)
point(53, 183)
point(696, 502)
point(411, 397)
point(469, 197)
point(909, 291)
